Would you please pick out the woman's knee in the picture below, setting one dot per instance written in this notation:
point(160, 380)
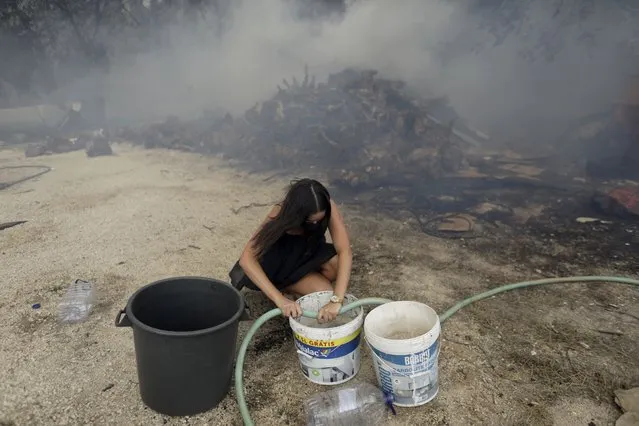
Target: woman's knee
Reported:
point(311, 283)
point(329, 269)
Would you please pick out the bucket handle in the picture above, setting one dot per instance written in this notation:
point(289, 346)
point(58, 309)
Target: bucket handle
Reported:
point(388, 366)
point(122, 320)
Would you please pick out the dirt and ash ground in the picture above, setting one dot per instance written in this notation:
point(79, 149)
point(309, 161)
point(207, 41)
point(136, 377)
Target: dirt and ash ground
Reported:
point(542, 356)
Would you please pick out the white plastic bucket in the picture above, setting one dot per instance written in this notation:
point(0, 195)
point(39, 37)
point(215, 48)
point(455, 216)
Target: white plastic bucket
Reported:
point(329, 354)
point(404, 342)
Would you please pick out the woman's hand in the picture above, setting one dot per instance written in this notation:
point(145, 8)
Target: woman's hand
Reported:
point(328, 312)
point(290, 308)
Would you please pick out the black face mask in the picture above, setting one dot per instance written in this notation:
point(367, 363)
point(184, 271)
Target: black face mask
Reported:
point(312, 227)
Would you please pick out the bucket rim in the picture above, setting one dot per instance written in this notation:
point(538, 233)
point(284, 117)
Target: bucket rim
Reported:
point(139, 324)
point(391, 345)
point(358, 319)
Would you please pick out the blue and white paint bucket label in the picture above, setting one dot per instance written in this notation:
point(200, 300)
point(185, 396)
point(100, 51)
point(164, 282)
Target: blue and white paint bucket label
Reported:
point(329, 354)
point(404, 341)
point(412, 379)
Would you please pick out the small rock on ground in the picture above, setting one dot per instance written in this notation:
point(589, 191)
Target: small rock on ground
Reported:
point(628, 399)
point(628, 419)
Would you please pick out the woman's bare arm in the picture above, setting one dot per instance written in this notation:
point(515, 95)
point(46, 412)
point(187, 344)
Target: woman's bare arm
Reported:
point(253, 269)
point(342, 244)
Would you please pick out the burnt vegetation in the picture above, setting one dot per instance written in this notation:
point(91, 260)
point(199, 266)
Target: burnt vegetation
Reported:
point(380, 145)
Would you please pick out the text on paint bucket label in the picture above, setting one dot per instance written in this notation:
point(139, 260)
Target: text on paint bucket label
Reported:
point(328, 355)
point(328, 348)
point(423, 360)
point(411, 378)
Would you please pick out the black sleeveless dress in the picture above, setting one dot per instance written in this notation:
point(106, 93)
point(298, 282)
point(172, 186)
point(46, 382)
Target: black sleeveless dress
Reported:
point(289, 260)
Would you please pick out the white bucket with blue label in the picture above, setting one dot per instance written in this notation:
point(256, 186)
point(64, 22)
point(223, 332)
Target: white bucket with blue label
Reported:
point(404, 342)
point(329, 354)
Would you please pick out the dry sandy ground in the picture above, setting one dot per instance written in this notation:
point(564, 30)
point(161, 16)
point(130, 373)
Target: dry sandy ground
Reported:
point(532, 357)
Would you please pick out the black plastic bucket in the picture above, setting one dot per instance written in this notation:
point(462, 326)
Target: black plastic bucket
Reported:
point(184, 332)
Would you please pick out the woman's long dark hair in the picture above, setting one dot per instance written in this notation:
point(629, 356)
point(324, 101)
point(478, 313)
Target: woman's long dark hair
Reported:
point(304, 198)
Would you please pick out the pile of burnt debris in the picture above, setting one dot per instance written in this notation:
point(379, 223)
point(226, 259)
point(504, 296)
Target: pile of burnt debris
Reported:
point(95, 143)
point(360, 129)
point(384, 148)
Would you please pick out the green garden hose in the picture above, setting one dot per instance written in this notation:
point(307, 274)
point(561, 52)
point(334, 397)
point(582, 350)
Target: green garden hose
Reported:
point(239, 366)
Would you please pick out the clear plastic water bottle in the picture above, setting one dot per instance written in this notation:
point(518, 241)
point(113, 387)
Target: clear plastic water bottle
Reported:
point(361, 404)
point(77, 302)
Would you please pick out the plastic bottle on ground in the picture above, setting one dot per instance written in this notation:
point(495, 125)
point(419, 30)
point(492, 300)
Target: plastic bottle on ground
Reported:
point(360, 404)
point(77, 303)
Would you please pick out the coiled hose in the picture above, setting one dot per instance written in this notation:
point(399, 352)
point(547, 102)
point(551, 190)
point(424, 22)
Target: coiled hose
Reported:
point(239, 366)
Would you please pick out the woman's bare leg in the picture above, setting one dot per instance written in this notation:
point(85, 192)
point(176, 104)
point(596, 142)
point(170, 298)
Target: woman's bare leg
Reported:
point(315, 281)
point(330, 268)
point(311, 283)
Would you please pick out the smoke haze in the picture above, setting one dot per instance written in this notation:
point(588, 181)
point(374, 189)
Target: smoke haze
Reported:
point(436, 47)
